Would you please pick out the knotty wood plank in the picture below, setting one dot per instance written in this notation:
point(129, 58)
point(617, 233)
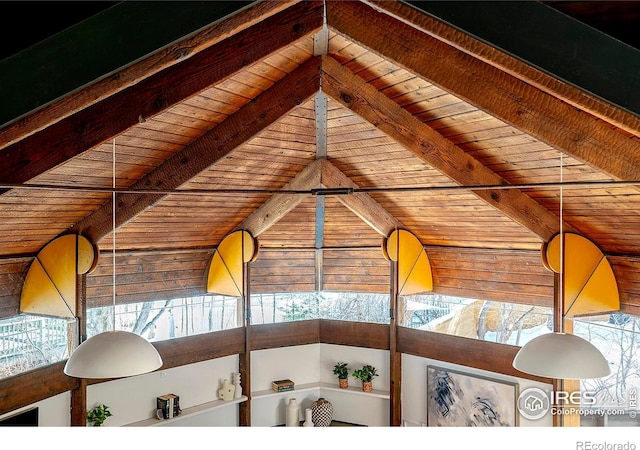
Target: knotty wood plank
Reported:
point(366, 101)
point(212, 146)
point(532, 110)
point(495, 57)
point(166, 57)
point(94, 124)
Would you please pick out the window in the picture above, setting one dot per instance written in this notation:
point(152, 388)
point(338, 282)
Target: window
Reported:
point(357, 307)
point(617, 336)
point(168, 319)
point(28, 342)
point(501, 322)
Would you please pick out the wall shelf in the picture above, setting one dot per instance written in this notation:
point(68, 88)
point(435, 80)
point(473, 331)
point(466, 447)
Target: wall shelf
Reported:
point(189, 412)
point(357, 390)
point(297, 388)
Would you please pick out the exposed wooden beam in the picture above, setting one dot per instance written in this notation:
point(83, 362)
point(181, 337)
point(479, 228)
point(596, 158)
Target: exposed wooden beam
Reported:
point(526, 107)
point(220, 25)
point(252, 118)
point(320, 173)
point(362, 205)
point(35, 385)
point(459, 350)
point(99, 122)
point(496, 57)
point(279, 205)
point(354, 93)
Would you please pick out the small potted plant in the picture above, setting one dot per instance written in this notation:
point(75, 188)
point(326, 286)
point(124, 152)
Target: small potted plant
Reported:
point(98, 415)
point(341, 370)
point(366, 375)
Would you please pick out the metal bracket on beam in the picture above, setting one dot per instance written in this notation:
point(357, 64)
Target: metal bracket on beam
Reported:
point(332, 191)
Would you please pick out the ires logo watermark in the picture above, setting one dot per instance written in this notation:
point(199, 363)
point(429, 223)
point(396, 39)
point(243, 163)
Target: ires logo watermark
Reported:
point(535, 403)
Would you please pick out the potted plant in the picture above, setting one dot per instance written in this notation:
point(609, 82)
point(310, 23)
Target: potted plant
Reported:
point(341, 370)
point(366, 375)
point(98, 415)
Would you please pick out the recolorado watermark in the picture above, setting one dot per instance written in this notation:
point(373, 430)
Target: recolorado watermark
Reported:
point(591, 445)
point(535, 403)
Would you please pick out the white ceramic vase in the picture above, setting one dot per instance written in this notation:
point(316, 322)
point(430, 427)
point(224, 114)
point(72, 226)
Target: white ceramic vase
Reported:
point(236, 382)
point(293, 413)
point(308, 420)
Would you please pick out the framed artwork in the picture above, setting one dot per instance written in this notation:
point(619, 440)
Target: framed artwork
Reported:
point(458, 399)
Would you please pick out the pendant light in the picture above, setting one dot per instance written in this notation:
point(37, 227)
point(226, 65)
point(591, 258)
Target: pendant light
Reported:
point(561, 355)
point(115, 353)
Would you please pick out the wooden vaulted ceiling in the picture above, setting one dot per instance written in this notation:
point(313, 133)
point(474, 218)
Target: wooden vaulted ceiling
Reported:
point(249, 123)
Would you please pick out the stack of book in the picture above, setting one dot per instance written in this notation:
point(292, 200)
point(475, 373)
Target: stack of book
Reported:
point(168, 406)
point(282, 385)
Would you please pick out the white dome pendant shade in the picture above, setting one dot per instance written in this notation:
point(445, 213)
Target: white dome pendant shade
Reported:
point(113, 354)
point(563, 356)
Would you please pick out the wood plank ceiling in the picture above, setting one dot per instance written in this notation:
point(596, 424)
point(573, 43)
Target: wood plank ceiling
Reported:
point(425, 125)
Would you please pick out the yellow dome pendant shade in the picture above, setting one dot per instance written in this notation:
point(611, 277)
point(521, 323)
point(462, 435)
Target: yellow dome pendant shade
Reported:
point(49, 288)
point(414, 269)
point(589, 282)
point(226, 268)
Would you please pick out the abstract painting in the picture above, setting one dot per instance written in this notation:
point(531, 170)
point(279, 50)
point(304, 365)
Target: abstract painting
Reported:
point(458, 399)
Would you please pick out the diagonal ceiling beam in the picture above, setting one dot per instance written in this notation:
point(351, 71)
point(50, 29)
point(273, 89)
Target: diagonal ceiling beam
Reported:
point(354, 93)
point(319, 174)
point(498, 58)
point(361, 204)
point(218, 142)
point(91, 55)
point(99, 122)
point(514, 101)
point(280, 204)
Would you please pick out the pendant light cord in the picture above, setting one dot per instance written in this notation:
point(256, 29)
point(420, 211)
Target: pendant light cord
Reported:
point(561, 281)
point(113, 232)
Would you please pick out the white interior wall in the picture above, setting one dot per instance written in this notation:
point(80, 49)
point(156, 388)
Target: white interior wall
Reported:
point(134, 399)
point(313, 363)
point(300, 364)
point(353, 407)
point(52, 412)
point(414, 389)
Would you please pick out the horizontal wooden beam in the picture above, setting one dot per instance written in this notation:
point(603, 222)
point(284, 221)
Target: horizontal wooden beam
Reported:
point(463, 351)
point(286, 334)
point(354, 334)
point(30, 387)
point(202, 347)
